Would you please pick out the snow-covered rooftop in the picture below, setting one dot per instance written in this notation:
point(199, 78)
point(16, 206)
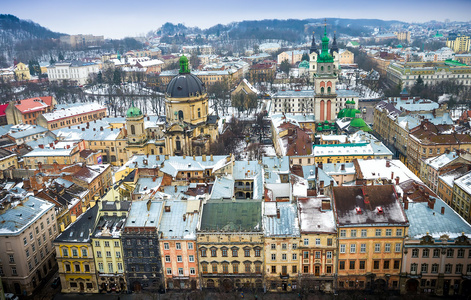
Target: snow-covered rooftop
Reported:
point(287, 225)
point(73, 111)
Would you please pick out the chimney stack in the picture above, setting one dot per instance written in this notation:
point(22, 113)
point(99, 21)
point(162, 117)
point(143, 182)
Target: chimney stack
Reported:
point(342, 167)
point(397, 180)
point(392, 175)
point(431, 203)
point(148, 204)
point(443, 210)
point(388, 164)
point(277, 213)
point(184, 217)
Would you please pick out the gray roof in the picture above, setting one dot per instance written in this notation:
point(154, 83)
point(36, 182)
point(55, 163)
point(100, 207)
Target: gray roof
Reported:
point(286, 225)
point(174, 226)
point(223, 188)
point(80, 230)
point(141, 216)
point(425, 220)
point(109, 227)
point(314, 219)
point(21, 215)
point(184, 86)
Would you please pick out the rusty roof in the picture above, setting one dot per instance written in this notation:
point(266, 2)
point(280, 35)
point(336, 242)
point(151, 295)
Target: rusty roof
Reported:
point(368, 205)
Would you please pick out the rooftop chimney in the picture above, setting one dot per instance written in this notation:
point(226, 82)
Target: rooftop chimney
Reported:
point(388, 164)
point(148, 204)
point(277, 213)
point(325, 204)
point(392, 175)
point(397, 180)
point(342, 167)
point(431, 203)
point(406, 204)
point(443, 210)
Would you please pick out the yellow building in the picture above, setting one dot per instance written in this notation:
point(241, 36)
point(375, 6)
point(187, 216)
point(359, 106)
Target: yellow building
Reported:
point(22, 72)
point(371, 235)
point(61, 153)
point(108, 253)
point(74, 255)
point(281, 232)
point(462, 196)
point(230, 245)
point(8, 159)
point(346, 57)
point(461, 44)
point(318, 244)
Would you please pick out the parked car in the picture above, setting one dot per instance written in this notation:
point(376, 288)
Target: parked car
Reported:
point(10, 296)
point(56, 282)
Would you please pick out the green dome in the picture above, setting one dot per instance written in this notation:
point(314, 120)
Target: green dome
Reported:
point(348, 113)
point(133, 112)
point(304, 64)
point(358, 123)
point(341, 113)
point(326, 122)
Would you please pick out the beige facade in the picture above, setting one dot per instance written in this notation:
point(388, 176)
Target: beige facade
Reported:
point(27, 255)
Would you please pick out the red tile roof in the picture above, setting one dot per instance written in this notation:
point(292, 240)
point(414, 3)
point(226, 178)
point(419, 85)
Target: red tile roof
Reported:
point(3, 107)
point(34, 104)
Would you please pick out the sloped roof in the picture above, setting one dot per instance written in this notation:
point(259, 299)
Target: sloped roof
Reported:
point(34, 104)
point(378, 204)
point(80, 231)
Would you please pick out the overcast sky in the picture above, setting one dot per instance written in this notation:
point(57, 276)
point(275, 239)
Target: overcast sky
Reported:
point(118, 19)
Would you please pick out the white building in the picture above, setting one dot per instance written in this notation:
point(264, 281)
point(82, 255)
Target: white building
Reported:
point(76, 71)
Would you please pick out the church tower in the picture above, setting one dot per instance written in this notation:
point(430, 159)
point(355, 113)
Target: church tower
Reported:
point(136, 134)
point(189, 128)
point(325, 79)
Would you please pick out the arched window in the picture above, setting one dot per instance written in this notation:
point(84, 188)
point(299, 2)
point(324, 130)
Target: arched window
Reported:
point(328, 90)
point(322, 68)
point(199, 112)
point(180, 115)
point(133, 129)
point(322, 90)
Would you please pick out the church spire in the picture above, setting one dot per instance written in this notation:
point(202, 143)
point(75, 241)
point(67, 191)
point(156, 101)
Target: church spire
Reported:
point(325, 56)
point(184, 68)
point(334, 47)
point(313, 45)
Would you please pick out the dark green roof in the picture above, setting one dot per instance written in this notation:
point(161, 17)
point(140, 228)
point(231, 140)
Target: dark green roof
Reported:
point(348, 113)
point(243, 215)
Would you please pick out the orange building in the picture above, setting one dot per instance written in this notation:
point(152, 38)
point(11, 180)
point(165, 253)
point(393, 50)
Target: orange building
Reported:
point(372, 226)
point(26, 111)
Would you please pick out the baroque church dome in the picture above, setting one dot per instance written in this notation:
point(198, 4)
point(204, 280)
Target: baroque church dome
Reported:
point(185, 84)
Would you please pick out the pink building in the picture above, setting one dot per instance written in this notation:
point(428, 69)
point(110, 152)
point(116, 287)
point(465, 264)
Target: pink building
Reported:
point(178, 244)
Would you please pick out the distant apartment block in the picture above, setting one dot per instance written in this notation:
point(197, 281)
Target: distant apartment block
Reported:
point(460, 44)
point(430, 72)
point(82, 40)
